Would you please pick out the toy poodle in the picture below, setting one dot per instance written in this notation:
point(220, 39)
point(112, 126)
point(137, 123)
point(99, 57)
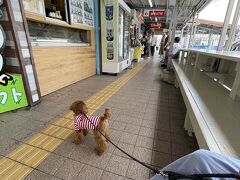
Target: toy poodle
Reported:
point(83, 123)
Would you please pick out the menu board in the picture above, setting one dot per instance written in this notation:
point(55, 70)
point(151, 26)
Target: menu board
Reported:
point(82, 12)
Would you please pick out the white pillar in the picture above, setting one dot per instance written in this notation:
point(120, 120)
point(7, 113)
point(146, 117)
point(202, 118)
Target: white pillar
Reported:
point(174, 26)
point(210, 38)
point(225, 25)
point(233, 26)
point(192, 31)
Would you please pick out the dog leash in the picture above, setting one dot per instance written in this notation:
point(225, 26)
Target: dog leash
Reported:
point(133, 158)
point(170, 174)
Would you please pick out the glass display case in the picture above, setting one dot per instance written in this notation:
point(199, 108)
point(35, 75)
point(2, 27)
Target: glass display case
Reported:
point(126, 36)
point(35, 6)
point(123, 35)
point(120, 34)
point(50, 35)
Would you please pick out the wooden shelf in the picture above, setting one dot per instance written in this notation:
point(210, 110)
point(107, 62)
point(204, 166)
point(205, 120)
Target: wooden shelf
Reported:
point(43, 19)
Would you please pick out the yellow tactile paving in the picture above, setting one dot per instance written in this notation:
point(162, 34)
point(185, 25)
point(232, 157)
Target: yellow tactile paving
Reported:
point(63, 121)
point(44, 142)
point(58, 132)
point(37, 148)
point(28, 155)
point(12, 170)
point(69, 115)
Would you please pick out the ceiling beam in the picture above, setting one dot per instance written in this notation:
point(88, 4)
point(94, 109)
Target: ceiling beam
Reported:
point(199, 6)
point(148, 7)
point(155, 2)
point(142, 3)
point(130, 1)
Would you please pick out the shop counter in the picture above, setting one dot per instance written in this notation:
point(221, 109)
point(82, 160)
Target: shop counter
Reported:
point(63, 42)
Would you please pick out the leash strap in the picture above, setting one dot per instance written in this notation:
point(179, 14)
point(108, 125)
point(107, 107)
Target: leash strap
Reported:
point(170, 174)
point(156, 171)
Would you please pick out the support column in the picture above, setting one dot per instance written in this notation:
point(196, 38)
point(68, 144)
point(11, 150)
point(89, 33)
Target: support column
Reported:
point(225, 25)
point(210, 38)
point(236, 84)
point(97, 38)
point(174, 26)
point(233, 27)
point(188, 125)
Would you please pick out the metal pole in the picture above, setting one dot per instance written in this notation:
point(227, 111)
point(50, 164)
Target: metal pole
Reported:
point(225, 25)
point(233, 26)
point(174, 26)
point(190, 39)
point(210, 38)
point(194, 31)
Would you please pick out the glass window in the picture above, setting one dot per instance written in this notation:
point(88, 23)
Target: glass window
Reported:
point(126, 36)
point(120, 34)
point(56, 9)
point(50, 35)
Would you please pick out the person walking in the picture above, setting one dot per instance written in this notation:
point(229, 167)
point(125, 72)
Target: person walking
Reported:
point(149, 44)
point(162, 44)
point(153, 44)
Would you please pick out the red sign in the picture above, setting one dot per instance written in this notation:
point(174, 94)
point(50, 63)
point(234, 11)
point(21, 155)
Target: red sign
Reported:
point(156, 13)
point(155, 25)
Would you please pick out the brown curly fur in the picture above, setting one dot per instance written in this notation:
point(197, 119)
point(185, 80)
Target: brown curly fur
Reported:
point(79, 107)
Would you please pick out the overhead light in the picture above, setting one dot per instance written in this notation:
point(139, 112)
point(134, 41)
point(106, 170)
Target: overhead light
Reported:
point(150, 3)
point(156, 19)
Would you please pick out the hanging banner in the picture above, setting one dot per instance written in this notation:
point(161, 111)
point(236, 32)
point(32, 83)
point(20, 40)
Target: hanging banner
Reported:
point(154, 13)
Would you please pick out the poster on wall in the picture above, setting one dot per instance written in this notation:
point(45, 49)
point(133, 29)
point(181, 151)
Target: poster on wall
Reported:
point(110, 51)
point(109, 10)
point(76, 11)
point(35, 6)
point(109, 29)
point(82, 12)
point(88, 12)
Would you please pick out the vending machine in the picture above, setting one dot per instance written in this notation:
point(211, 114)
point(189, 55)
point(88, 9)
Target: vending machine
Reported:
point(115, 26)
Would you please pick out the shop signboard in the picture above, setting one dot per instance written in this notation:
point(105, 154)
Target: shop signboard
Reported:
point(154, 13)
point(12, 93)
point(155, 25)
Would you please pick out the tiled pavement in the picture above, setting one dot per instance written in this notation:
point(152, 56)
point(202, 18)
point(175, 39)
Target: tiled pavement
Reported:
point(147, 122)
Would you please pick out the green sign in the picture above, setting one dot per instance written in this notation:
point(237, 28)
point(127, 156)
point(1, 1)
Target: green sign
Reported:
point(13, 95)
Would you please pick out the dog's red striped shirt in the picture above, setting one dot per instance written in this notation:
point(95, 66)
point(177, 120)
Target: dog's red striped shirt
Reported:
point(82, 122)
